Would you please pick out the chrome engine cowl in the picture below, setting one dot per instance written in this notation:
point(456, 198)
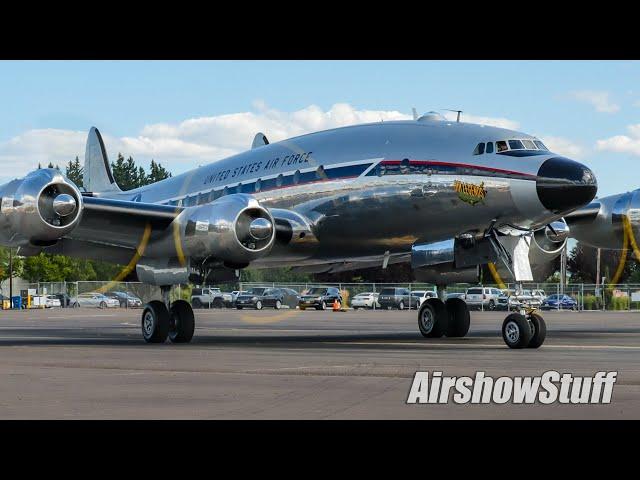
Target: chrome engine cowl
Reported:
point(39, 209)
point(234, 229)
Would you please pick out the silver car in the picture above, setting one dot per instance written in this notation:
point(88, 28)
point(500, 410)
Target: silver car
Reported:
point(94, 299)
point(485, 298)
point(365, 300)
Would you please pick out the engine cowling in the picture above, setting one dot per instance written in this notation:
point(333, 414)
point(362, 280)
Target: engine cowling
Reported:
point(234, 229)
point(39, 209)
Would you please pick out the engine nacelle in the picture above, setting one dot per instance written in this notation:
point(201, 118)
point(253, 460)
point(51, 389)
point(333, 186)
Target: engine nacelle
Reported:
point(602, 223)
point(38, 209)
point(235, 229)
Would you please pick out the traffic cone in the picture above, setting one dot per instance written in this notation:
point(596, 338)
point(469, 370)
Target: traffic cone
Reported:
point(336, 305)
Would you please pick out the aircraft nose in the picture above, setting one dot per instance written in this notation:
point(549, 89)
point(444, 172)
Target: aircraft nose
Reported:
point(564, 185)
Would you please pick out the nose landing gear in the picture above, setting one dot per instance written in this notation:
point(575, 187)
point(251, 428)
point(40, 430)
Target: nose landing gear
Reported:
point(526, 330)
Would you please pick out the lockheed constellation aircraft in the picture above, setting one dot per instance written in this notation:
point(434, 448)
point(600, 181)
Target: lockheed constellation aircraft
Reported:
point(446, 196)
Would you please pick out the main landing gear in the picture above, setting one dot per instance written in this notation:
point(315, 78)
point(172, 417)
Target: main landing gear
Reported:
point(451, 318)
point(162, 319)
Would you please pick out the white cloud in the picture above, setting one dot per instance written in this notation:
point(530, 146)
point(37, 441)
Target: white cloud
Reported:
point(599, 99)
point(196, 141)
point(622, 143)
point(563, 146)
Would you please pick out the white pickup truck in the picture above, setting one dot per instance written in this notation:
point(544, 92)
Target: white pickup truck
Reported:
point(207, 298)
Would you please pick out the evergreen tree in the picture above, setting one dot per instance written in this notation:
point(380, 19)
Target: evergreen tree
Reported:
point(74, 171)
point(156, 173)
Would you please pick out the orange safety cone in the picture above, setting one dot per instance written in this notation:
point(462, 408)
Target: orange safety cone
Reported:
point(336, 305)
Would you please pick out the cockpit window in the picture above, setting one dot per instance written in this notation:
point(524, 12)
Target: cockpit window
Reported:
point(501, 146)
point(489, 148)
point(516, 145)
point(540, 145)
point(529, 145)
point(479, 150)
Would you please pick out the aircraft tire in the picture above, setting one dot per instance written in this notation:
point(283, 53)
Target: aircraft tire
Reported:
point(155, 322)
point(516, 331)
point(539, 331)
point(433, 318)
point(459, 318)
point(182, 322)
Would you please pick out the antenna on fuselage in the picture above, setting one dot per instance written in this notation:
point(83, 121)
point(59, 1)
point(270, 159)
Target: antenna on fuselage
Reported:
point(457, 111)
point(415, 113)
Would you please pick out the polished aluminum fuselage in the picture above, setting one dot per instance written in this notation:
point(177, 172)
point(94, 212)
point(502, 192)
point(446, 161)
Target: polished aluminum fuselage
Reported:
point(370, 189)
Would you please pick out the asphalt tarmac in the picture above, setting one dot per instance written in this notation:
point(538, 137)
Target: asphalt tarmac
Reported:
point(290, 364)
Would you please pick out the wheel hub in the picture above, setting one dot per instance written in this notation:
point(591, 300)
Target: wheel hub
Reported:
point(427, 320)
point(147, 323)
point(512, 332)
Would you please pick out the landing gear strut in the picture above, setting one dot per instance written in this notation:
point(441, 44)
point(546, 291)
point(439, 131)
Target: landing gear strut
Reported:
point(162, 319)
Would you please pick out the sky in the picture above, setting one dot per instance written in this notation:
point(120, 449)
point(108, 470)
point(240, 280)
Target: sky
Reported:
point(189, 113)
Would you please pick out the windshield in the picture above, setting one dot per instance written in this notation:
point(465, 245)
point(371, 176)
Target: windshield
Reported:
point(256, 291)
point(318, 291)
point(388, 291)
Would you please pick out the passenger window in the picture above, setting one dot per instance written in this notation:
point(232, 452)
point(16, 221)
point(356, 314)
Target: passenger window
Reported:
point(320, 173)
point(516, 145)
point(479, 150)
point(489, 147)
point(501, 146)
point(529, 145)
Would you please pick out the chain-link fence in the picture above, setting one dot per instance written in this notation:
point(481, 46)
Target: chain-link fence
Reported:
point(108, 294)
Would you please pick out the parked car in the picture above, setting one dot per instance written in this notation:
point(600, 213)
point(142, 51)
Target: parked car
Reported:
point(94, 299)
point(459, 295)
point(65, 299)
point(423, 295)
point(394, 297)
point(227, 299)
point(485, 298)
point(319, 298)
point(125, 299)
point(539, 295)
point(207, 297)
point(365, 300)
point(259, 297)
point(508, 301)
point(559, 301)
point(53, 301)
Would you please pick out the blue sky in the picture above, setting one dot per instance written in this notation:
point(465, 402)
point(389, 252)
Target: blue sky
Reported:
point(188, 113)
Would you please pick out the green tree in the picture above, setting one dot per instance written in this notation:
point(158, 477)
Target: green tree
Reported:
point(74, 171)
point(156, 173)
point(4, 264)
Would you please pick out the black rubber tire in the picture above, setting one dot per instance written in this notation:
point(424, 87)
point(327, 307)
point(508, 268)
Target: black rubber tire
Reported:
point(238, 308)
point(217, 303)
point(182, 322)
point(524, 332)
point(539, 331)
point(258, 305)
point(278, 305)
point(492, 305)
point(440, 318)
point(459, 318)
point(123, 304)
point(323, 306)
point(158, 329)
point(302, 308)
point(401, 305)
point(196, 303)
point(103, 305)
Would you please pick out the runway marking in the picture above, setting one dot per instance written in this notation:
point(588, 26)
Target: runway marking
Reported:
point(253, 320)
point(484, 345)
